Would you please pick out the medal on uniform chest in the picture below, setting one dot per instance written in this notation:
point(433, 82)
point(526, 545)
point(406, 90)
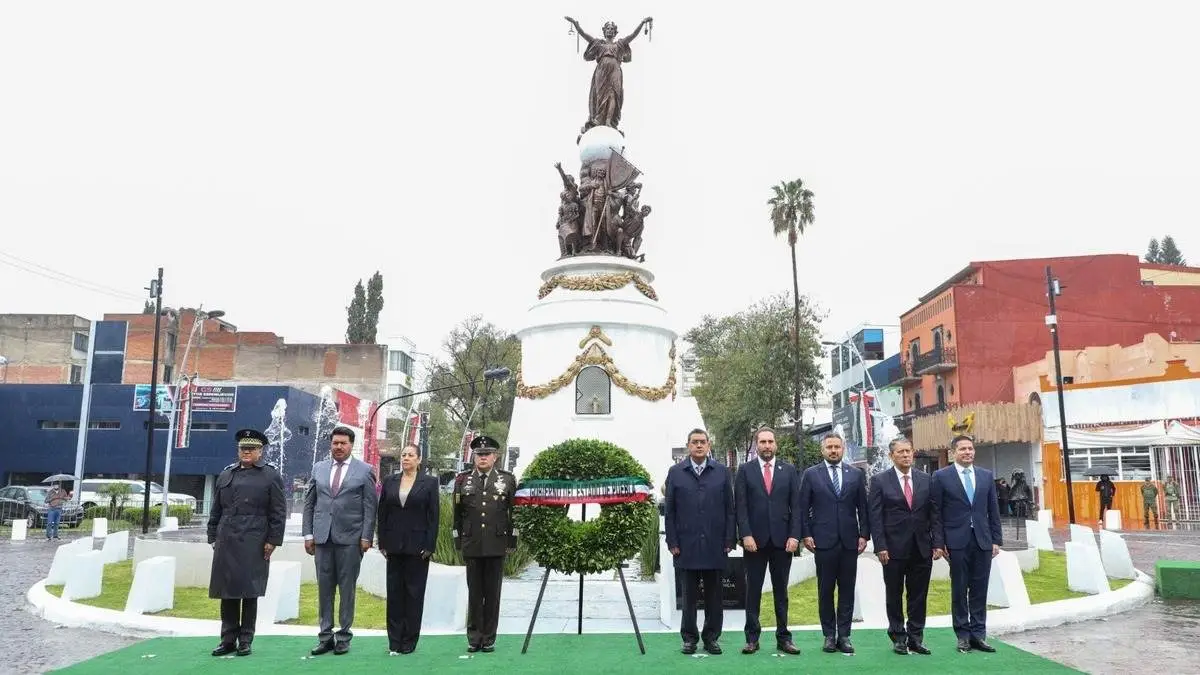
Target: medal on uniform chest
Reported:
point(500, 486)
point(469, 488)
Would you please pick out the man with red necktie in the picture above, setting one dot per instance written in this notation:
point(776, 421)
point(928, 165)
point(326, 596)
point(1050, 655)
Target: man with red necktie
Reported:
point(903, 520)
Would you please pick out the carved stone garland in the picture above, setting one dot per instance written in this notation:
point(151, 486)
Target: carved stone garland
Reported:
point(597, 282)
point(595, 355)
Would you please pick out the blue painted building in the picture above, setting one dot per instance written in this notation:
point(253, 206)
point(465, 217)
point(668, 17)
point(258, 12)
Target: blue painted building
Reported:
point(39, 430)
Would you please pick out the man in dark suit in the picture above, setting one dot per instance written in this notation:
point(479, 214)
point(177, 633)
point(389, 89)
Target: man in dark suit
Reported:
point(700, 534)
point(833, 504)
point(903, 519)
point(767, 502)
point(970, 536)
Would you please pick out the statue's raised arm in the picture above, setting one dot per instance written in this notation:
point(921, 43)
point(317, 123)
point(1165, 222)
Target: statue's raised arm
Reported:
point(648, 21)
point(586, 38)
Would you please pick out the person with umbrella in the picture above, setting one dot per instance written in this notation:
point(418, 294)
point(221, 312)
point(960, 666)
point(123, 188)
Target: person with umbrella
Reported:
point(246, 525)
point(55, 497)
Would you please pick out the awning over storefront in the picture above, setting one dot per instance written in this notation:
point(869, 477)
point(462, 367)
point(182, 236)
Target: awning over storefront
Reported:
point(1156, 433)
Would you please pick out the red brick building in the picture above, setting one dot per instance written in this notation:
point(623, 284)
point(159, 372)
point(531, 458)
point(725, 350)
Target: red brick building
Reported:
point(959, 345)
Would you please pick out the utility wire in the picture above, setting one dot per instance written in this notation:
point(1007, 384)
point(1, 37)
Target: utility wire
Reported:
point(63, 277)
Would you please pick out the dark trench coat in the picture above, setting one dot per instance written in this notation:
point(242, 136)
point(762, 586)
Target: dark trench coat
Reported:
point(249, 510)
point(699, 515)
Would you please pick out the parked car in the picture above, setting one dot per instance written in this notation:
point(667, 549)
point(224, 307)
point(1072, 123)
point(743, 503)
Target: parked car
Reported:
point(90, 494)
point(29, 501)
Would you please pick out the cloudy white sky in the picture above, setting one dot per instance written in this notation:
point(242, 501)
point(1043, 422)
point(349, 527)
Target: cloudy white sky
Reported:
point(268, 154)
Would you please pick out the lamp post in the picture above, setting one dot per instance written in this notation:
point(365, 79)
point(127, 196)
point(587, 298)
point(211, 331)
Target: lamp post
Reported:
point(197, 326)
point(490, 375)
point(156, 293)
point(1053, 288)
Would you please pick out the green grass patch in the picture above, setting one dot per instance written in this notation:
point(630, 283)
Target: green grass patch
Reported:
point(1045, 584)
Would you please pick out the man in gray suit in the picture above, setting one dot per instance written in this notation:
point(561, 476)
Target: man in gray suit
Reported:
point(339, 526)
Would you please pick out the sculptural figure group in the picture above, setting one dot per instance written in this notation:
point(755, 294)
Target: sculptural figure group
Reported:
point(602, 213)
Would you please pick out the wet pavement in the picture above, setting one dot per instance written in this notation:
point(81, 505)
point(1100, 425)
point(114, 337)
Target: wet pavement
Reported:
point(32, 645)
point(1158, 637)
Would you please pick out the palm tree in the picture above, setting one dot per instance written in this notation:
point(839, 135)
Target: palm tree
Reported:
point(792, 212)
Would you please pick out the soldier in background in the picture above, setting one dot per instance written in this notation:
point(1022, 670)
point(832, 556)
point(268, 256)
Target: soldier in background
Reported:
point(246, 525)
point(484, 534)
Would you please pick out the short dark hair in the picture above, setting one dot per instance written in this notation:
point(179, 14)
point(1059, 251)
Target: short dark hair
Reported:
point(832, 434)
point(896, 441)
point(342, 431)
point(959, 439)
point(762, 429)
point(693, 432)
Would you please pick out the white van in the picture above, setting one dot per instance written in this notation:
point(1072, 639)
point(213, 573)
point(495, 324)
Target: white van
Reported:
point(90, 495)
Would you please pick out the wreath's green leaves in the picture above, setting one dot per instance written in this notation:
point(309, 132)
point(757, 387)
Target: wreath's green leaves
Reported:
point(564, 545)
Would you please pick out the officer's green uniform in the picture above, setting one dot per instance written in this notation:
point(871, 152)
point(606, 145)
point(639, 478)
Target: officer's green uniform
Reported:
point(484, 533)
point(1149, 502)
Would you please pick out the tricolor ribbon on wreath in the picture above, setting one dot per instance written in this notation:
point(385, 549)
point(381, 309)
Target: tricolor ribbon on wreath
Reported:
point(565, 492)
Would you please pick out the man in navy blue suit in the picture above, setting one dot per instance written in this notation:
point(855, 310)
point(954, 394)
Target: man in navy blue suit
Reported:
point(903, 519)
point(965, 498)
point(834, 524)
point(700, 529)
point(767, 497)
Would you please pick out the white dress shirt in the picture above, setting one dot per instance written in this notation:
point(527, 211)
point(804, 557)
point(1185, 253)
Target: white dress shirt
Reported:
point(762, 464)
point(960, 469)
point(900, 477)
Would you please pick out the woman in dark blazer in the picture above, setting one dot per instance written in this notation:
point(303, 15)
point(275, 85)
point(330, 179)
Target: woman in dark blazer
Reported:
point(408, 529)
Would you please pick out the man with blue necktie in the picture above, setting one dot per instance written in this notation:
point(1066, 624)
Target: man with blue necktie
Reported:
point(970, 536)
point(835, 527)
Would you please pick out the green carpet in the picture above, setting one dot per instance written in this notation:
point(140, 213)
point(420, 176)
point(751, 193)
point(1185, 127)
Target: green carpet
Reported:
point(557, 654)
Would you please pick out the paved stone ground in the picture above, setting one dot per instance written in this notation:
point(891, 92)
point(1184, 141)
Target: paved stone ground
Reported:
point(30, 644)
point(1159, 637)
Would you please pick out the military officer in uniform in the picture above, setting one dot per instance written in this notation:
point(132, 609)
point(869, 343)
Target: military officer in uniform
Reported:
point(245, 526)
point(484, 533)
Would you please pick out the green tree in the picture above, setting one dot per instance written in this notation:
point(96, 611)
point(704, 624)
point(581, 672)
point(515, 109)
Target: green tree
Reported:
point(148, 307)
point(474, 346)
point(746, 363)
point(1165, 253)
point(792, 212)
point(809, 455)
point(374, 306)
point(356, 315)
point(1169, 253)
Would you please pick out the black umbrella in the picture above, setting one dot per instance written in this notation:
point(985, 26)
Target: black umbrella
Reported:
point(1109, 471)
point(60, 478)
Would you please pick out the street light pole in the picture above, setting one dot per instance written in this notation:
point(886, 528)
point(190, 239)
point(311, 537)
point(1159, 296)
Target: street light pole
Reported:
point(197, 325)
point(1052, 289)
point(156, 293)
point(489, 375)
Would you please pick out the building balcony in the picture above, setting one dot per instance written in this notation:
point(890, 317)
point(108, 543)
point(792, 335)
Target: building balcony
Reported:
point(905, 420)
point(938, 360)
point(903, 375)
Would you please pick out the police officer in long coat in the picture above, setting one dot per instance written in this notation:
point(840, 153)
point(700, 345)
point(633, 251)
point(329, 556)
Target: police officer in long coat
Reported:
point(246, 525)
point(483, 532)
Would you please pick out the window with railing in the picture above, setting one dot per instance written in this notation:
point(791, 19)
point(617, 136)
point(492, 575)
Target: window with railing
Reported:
point(1131, 463)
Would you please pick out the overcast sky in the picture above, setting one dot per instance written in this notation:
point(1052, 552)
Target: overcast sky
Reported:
point(268, 154)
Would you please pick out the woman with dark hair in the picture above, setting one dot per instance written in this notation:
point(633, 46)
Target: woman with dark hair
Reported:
point(408, 516)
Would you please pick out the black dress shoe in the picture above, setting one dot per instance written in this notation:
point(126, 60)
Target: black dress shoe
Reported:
point(750, 648)
point(322, 647)
point(830, 645)
point(472, 648)
point(918, 648)
point(964, 646)
point(844, 646)
point(488, 649)
point(712, 648)
point(787, 647)
point(243, 650)
point(982, 646)
point(224, 649)
point(341, 648)
point(688, 648)
point(900, 647)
